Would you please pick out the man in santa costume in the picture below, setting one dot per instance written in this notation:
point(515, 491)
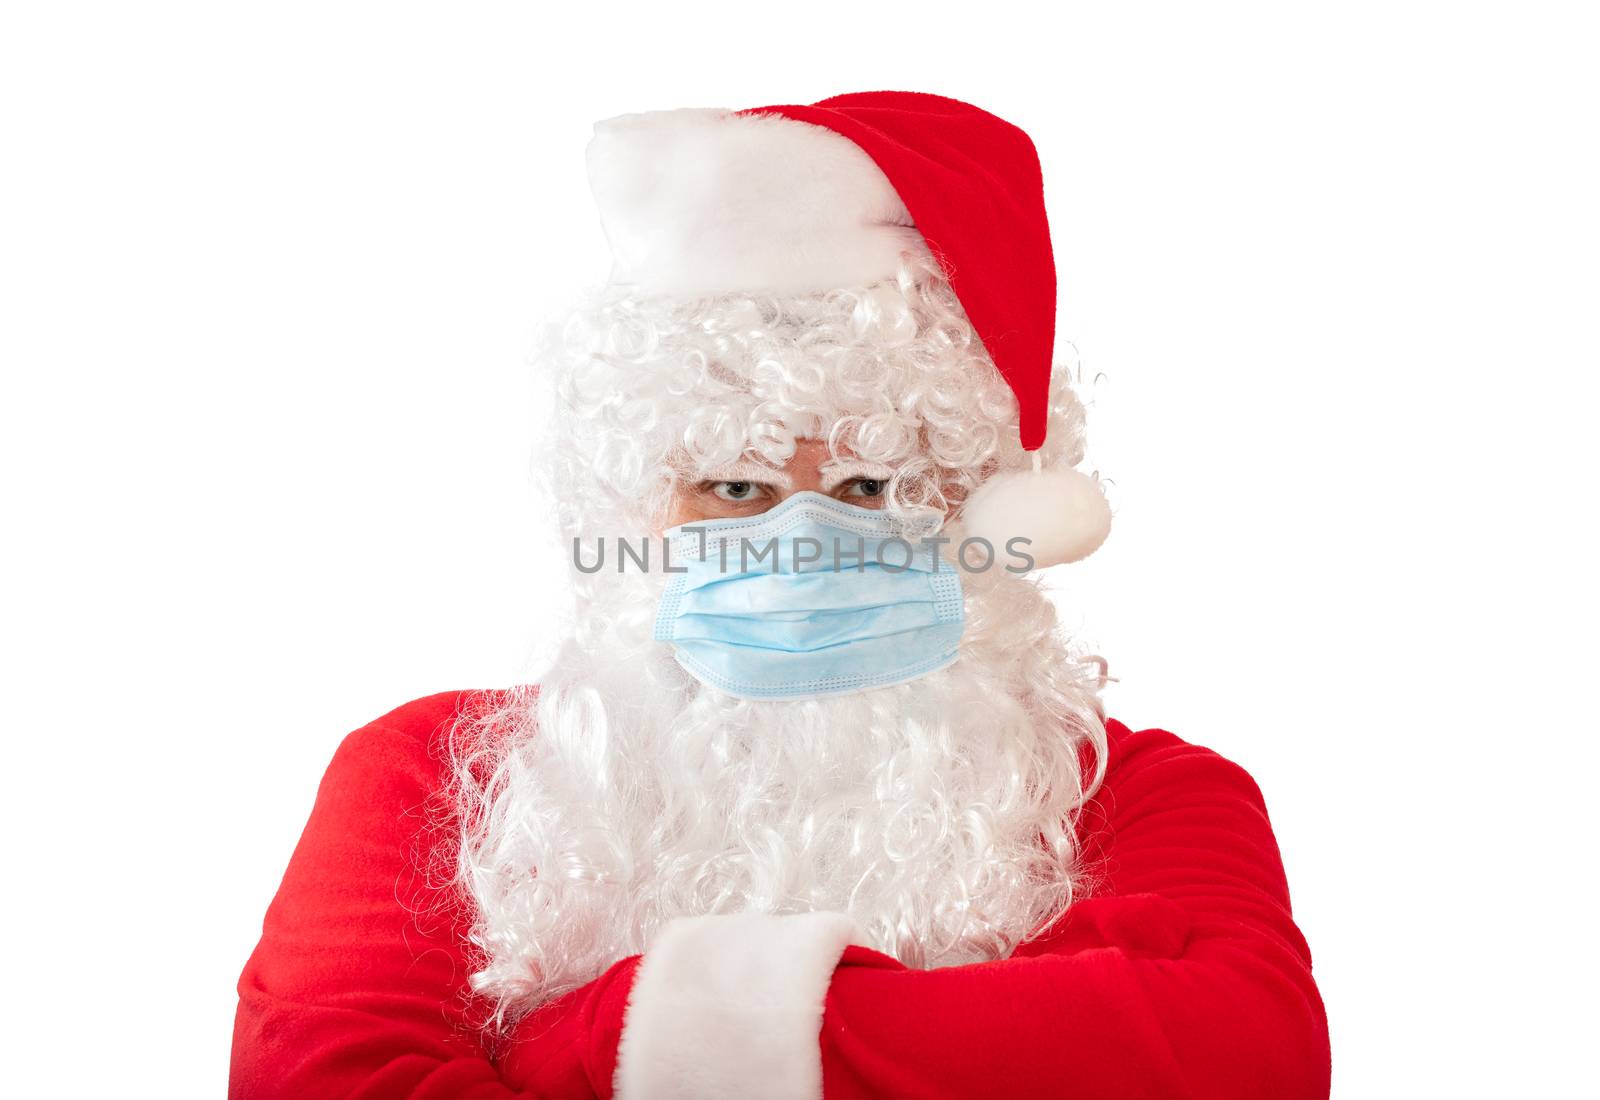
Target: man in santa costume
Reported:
point(800, 828)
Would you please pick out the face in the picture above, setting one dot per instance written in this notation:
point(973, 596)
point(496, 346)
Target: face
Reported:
point(749, 488)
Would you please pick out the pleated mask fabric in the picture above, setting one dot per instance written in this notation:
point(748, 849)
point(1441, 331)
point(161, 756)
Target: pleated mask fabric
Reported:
point(812, 597)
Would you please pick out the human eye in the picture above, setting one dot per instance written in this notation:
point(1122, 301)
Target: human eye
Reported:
point(739, 492)
point(869, 487)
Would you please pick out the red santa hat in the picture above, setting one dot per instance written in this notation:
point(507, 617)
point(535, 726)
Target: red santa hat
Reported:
point(802, 198)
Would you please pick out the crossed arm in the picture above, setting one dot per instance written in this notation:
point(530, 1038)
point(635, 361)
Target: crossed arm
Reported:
point(1182, 975)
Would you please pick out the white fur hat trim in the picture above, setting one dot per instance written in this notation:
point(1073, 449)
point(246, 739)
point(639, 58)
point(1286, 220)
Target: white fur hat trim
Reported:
point(703, 201)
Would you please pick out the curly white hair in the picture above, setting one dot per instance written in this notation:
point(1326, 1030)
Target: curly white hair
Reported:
point(620, 793)
point(652, 391)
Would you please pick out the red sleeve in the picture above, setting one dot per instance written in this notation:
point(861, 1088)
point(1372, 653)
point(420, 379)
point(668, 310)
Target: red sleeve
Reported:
point(1182, 975)
point(358, 985)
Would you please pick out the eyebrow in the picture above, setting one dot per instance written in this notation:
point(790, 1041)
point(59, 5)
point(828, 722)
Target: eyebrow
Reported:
point(746, 470)
point(836, 472)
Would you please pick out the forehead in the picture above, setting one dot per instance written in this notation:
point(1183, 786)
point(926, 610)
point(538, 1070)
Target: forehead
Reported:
point(813, 452)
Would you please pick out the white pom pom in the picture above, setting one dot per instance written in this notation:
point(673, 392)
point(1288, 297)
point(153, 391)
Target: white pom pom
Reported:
point(1062, 513)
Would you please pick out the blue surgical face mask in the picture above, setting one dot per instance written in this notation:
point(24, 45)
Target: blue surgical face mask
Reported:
point(813, 597)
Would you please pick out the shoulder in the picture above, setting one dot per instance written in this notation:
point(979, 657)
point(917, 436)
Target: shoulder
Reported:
point(1166, 802)
point(404, 750)
point(1139, 762)
point(385, 790)
point(425, 719)
point(1161, 791)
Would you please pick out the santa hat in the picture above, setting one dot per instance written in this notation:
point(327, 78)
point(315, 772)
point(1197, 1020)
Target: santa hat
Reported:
point(802, 198)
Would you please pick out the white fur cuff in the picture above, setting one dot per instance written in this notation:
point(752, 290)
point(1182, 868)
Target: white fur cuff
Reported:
point(731, 1006)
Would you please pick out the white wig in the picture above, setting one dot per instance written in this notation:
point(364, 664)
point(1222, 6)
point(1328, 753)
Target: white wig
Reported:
point(651, 390)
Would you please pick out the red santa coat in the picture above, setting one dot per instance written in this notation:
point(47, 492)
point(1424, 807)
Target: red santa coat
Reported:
point(1182, 974)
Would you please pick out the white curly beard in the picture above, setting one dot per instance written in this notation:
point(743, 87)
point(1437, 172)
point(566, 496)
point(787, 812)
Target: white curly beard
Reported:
point(622, 793)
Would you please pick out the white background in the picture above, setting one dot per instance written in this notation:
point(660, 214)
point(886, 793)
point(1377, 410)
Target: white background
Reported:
point(270, 273)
